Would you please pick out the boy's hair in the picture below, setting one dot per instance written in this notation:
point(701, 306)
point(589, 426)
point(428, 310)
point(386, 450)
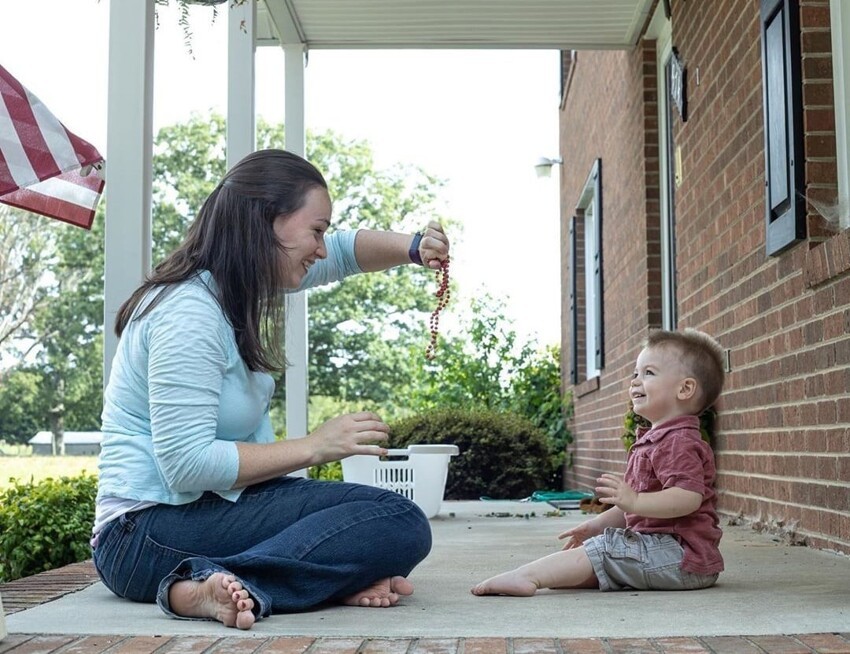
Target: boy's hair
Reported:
point(701, 355)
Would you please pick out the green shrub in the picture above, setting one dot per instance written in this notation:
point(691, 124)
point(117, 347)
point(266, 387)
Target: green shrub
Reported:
point(502, 455)
point(326, 471)
point(45, 525)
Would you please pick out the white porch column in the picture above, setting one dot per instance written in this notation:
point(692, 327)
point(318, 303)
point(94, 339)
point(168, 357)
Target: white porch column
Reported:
point(241, 47)
point(297, 394)
point(129, 150)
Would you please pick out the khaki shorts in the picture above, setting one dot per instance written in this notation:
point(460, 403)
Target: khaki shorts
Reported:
point(623, 558)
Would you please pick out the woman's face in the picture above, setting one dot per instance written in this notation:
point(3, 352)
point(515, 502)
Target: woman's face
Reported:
point(303, 235)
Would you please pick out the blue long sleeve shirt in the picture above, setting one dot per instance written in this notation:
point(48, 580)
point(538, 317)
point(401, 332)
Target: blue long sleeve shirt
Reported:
point(180, 397)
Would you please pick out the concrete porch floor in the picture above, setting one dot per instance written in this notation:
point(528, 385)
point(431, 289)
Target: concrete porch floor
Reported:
point(772, 598)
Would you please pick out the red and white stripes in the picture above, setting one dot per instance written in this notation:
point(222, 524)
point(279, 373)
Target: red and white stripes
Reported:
point(44, 168)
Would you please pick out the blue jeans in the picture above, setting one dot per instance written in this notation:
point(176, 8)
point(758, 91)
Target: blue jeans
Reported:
point(293, 543)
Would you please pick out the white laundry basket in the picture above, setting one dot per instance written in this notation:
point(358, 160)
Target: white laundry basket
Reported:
point(418, 472)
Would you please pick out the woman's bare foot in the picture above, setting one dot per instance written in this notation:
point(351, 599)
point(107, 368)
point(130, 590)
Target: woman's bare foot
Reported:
point(508, 583)
point(219, 597)
point(381, 594)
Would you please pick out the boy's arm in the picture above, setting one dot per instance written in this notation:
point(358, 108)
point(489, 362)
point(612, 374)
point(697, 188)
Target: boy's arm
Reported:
point(668, 503)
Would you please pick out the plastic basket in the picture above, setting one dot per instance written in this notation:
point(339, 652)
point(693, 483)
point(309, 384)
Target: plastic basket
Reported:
point(418, 472)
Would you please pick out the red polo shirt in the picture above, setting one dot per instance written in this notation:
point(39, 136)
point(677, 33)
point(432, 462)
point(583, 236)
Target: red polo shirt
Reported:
point(673, 454)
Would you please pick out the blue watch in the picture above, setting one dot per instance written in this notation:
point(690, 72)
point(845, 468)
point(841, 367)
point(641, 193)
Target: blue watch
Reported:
point(413, 252)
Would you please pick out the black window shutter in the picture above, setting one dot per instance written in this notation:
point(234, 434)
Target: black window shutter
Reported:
point(597, 269)
point(785, 213)
point(573, 307)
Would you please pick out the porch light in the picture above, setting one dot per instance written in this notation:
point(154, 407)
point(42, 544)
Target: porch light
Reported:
point(543, 167)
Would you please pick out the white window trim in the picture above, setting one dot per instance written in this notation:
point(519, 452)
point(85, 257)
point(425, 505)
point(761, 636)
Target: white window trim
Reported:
point(587, 208)
point(839, 14)
point(661, 29)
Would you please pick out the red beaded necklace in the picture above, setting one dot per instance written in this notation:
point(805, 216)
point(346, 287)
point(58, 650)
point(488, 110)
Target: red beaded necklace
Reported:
point(443, 294)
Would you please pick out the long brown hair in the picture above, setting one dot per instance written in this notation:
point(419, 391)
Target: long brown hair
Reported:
point(233, 238)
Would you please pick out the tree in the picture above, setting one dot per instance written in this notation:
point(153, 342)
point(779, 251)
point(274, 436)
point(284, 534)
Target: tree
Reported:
point(361, 332)
point(69, 331)
point(474, 370)
point(27, 252)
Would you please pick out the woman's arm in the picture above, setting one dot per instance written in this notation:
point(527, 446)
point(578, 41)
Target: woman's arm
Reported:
point(382, 250)
point(336, 439)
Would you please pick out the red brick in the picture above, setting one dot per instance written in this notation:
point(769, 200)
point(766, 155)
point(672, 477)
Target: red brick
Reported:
point(434, 646)
point(235, 645)
point(287, 645)
point(140, 645)
point(826, 643)
point(780, 644)
point(188, 645)
point(583, 646)
point(38, 644)
point(485, 646)
point(730, 645)
point(336, 645)
point(384, 646)
point(679, 645)
point(534, 646)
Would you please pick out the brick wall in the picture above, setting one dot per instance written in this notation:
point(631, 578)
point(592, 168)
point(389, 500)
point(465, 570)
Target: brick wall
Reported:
point(615, 120)
point(783, 449)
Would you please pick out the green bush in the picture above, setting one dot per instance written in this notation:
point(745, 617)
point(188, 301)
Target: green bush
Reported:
point(326, 471)
point(502, 455)
point(45, 525)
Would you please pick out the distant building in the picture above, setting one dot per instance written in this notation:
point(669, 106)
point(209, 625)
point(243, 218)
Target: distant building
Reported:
point(77, 443)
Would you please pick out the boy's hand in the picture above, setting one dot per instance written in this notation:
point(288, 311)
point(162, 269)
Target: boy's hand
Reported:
point(613, 489)
point(578, 534)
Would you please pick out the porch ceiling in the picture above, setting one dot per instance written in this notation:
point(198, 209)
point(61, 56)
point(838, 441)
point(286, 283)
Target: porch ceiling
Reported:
point(423, 24)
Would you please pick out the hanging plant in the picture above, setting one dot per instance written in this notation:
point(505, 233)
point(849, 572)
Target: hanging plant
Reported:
point(183, 20)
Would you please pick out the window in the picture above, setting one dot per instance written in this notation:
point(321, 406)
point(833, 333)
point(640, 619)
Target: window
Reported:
point(783, 129)
point(587, 333)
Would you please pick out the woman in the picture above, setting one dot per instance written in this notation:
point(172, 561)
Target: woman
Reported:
point(194, 508)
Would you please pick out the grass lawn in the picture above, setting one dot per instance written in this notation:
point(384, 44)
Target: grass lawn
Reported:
point(36, 468)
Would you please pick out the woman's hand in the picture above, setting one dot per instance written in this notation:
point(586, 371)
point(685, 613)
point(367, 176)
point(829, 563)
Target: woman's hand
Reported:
point(349, 434)
point(434, 246)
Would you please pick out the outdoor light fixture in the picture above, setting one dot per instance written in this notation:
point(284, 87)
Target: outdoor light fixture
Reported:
point(543, 167)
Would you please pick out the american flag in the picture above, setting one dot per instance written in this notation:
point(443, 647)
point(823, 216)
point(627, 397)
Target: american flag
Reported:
point(44, 168)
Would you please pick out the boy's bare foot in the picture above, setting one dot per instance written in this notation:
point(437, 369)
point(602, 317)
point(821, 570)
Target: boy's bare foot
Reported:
point(508, 583)
point(219, 597)
point(381, 594)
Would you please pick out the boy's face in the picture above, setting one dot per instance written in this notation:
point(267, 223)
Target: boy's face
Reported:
point(660, 388)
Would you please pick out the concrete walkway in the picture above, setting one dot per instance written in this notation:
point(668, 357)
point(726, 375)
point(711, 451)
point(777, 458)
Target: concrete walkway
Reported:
point(769, 588)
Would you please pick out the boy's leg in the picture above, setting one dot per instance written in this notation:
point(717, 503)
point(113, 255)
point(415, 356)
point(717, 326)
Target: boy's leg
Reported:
point(564, 569)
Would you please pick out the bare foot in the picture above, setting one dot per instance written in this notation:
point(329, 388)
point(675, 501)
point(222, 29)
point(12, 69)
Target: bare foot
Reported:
point(381, 594)
point(219, 597)
point(508, 583)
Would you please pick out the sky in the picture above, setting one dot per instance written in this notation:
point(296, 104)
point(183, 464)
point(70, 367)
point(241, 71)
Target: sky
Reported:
point(477, 119)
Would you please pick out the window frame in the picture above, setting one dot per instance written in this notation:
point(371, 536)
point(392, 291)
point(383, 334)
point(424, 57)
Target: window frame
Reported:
point(594, 339)
point(785, 216)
